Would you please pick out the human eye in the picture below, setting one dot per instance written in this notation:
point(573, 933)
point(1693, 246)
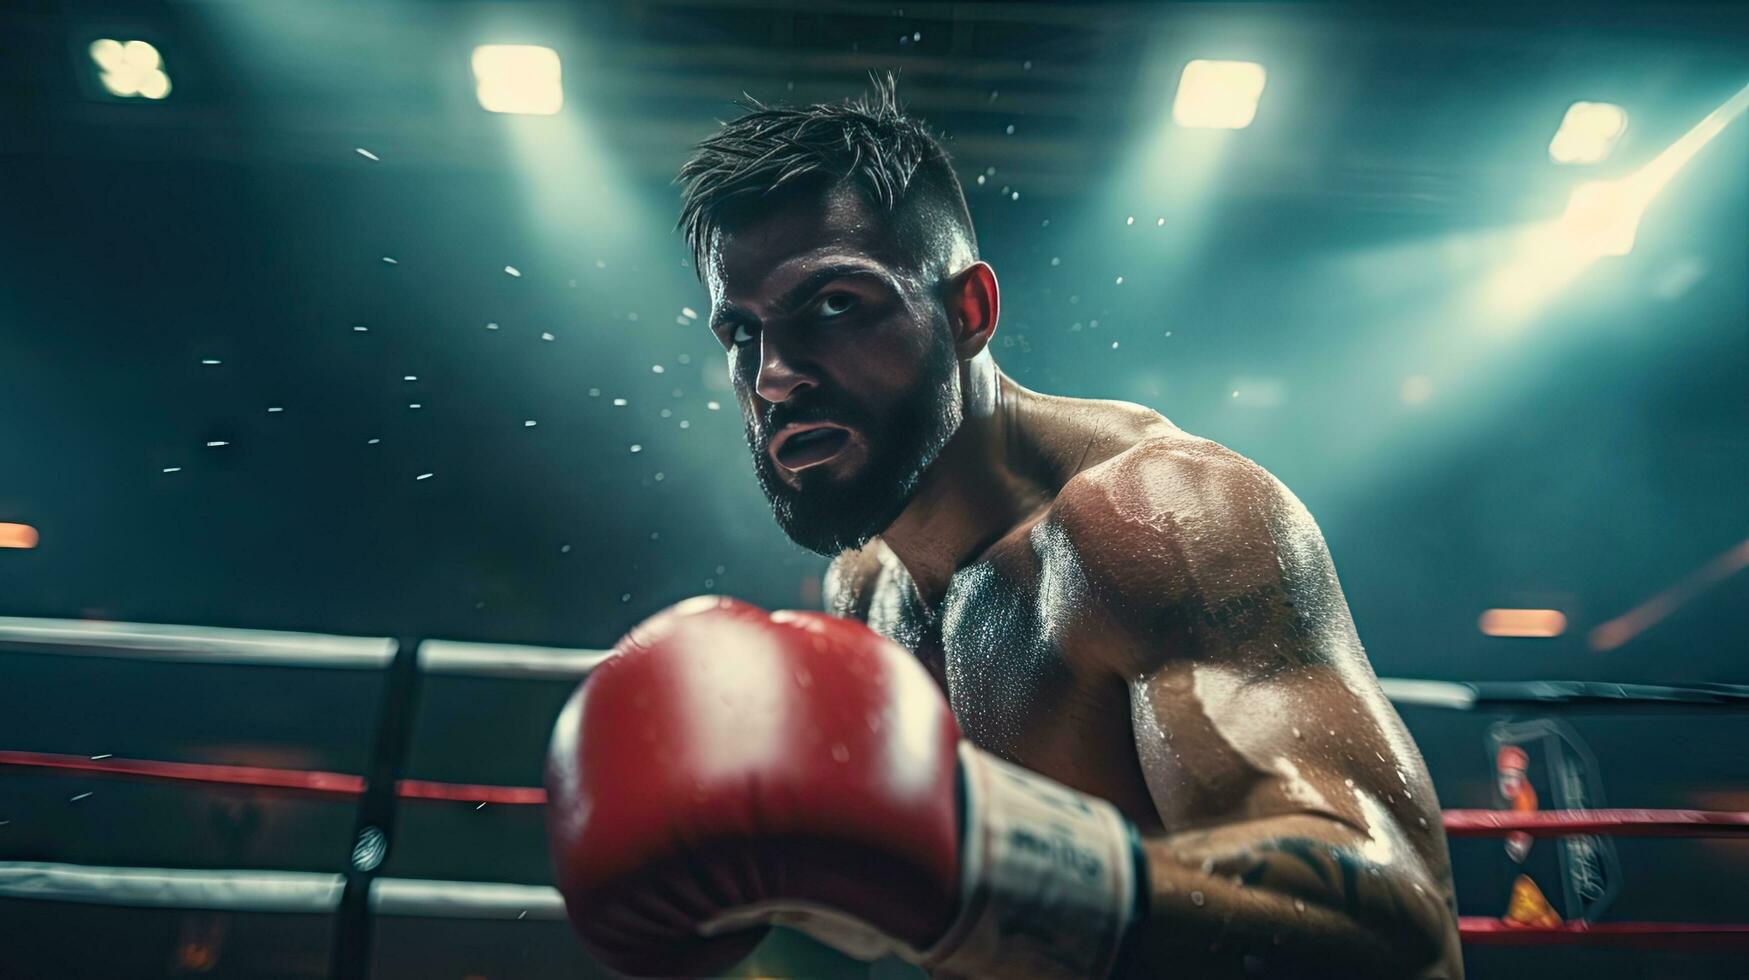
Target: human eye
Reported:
point(835, 305)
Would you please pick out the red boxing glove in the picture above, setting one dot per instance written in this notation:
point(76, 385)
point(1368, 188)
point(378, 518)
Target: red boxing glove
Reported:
point(730, 769)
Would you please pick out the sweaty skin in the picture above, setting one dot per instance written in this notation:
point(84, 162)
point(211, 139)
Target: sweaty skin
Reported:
point(1136, 612)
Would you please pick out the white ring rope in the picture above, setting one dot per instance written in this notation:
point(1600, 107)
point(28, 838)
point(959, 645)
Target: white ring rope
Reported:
point(271, 891)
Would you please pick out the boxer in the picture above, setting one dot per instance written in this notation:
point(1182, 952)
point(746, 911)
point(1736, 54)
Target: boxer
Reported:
point(1090, 703)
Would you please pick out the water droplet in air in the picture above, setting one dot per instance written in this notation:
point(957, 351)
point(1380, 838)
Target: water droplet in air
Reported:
point(513, 271)
point(637, 448)
point(368, 155)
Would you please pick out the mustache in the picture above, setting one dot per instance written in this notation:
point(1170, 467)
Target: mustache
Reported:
point(778, 416)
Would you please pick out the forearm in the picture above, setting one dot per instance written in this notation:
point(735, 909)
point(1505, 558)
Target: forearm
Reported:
point(1290, 897)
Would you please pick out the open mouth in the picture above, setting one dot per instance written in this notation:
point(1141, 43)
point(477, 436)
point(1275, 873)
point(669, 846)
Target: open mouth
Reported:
point(798, 448)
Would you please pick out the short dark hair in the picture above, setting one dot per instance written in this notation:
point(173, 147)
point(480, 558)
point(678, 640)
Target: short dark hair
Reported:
point(868, 142)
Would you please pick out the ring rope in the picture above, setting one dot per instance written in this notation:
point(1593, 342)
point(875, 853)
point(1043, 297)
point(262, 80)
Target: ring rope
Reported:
point(1458, 823)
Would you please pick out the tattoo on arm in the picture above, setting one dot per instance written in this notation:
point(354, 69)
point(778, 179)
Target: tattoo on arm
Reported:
point(1340, 879)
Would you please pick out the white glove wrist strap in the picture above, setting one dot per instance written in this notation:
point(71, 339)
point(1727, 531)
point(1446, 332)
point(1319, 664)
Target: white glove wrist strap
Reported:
point(1048, 879)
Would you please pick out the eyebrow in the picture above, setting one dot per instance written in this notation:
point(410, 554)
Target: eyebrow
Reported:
point(801, 292)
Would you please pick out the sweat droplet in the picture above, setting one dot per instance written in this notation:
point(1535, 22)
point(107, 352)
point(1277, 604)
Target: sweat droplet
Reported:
point(804, 679)
point(1299, 905)
point(840, 752)
point(1196, 899)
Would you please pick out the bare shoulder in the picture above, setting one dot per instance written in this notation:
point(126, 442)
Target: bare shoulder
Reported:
point(1184, 533)
point(850, 580)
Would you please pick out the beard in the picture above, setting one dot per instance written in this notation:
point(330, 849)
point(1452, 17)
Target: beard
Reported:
point(827, 515)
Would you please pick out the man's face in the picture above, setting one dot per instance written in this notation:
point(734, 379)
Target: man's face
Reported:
point(842, 362)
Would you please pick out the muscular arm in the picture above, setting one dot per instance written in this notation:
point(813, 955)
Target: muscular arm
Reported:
point(1297, 830)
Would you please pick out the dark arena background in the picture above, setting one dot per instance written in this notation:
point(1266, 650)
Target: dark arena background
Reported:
point(355, 392)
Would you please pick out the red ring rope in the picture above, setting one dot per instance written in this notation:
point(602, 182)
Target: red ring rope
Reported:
point(1458, 823)
point(1621, 823)
point(1693, 936)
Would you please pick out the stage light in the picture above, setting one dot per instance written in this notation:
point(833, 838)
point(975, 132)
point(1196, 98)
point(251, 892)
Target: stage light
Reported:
point(17, 536)
point(1603, 216)
point(1416, 388)
point(130, 69)
point(518, 78)
point(1522, 622)
point(1588, 132)
point(1218, 94)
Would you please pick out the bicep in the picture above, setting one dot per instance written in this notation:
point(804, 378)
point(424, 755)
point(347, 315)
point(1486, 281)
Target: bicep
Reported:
point(1219, 742)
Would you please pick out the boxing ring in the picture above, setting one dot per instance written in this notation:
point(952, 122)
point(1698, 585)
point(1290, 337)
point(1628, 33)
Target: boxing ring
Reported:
point(349, 784)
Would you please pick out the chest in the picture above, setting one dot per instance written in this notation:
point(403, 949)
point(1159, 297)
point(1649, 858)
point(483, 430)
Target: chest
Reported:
point(1008, 645)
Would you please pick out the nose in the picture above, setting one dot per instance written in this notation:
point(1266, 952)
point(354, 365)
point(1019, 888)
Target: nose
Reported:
point(781, 374)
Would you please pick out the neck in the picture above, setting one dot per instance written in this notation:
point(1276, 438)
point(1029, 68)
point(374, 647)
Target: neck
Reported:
point(985, 482)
